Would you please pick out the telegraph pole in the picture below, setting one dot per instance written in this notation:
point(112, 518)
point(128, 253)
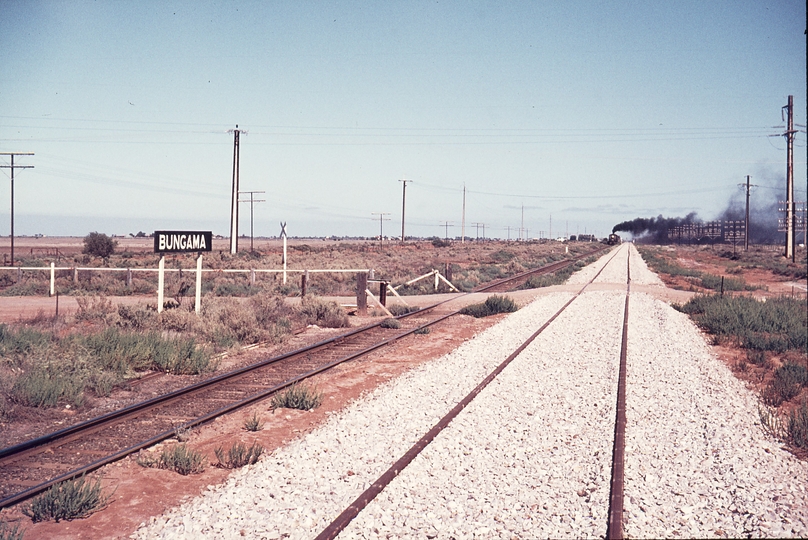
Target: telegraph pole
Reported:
point(447, 224)
point(790, 229)
point(463, 218)
point(382, 219)
point(522, 227)
point(746, 229)
point(12, 167)
point(403, 204)
point(478, 230)
point(252, 201)
point(234, 196)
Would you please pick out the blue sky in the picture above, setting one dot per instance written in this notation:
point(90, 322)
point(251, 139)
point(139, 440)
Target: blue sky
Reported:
point(587, 113)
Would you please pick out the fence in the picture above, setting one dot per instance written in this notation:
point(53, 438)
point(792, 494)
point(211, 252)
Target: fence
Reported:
point(161, 270)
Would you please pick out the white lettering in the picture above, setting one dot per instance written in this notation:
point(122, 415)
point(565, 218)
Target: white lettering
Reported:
point(162, 240)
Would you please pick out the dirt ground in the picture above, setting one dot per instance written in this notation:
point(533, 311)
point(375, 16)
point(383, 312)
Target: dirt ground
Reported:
point(139, 493)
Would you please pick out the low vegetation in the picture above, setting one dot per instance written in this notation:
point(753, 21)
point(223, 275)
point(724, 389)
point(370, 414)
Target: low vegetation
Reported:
point(302, 397)
point(390, 323)
point(11, 532)
point(253, 423)
point(775, 325)
point(791, 427)
point(178, 458)
point(102, 346)
point(492, 305)
point(68, 500)
point(774, 334)
point(661, 264)
point(238, 455)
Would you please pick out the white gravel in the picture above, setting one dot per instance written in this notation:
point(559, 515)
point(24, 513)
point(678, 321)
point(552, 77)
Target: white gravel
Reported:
point(531, 455)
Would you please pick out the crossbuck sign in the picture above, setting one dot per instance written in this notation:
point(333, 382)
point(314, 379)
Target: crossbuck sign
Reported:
point(182, 241)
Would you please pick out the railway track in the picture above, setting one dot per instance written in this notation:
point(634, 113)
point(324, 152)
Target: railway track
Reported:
point(614, 526)
point(33, 466)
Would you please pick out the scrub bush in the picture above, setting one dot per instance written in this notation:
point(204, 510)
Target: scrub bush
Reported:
point(71, 499)
point(492, 305)
point(238, 455)
point(299, 397)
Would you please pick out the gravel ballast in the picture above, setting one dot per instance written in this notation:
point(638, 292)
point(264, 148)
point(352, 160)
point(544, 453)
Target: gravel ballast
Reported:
point(531, 455)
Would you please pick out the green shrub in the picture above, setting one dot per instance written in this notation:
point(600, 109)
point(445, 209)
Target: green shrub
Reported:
point(67, 500)
point(253, 423)
point(9, 532)
point(122, 352)
point(22, 341)
point(91, 308)
point(399, 310)
point(99, 245)
point(325, 314)
point(227, 320)
point(423, 331)
point(777, 325)
point(45, 385)
point(492, 305)
point(299, 397)
point(239, 455)
point(787, 382)
point(27, 287)
point(178, 458)
point(797, 426)
point(390, 323)
point(137, 317)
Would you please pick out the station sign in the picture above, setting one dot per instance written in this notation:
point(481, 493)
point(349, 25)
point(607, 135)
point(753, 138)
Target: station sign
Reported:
point(182, 241)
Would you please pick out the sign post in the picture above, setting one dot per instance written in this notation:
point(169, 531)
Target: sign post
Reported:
point(198, 295)
point(283, 235)
point(181, 242)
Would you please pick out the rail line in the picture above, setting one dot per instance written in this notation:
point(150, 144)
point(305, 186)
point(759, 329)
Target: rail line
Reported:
point(614, 525)
point(31, 467)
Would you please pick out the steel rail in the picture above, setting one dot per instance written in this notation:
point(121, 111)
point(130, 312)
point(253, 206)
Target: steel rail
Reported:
point(63, 436)
point(347, 515)
point(614, 528)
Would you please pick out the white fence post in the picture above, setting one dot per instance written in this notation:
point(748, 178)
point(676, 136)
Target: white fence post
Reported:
point(161, 274)
point(198, 297)
point(53, 279)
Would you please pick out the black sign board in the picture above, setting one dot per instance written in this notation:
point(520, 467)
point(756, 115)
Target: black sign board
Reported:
point(182, 241)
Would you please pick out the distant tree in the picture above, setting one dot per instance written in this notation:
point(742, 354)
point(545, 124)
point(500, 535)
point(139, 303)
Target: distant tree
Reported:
point(141, 234)
point(99, 245)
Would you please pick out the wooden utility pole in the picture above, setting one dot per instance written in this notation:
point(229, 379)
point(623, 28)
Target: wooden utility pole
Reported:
point(522, 227)
point(234, 196)
point(403, 204)
point(382, 219)
point(252, 201)
point(791, 232)
point(12, 167)
point(746, 229)
point(447, 224)
point(463, 218)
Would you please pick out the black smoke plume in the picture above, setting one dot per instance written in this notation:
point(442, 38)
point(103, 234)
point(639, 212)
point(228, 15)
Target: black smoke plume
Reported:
point(764, 206)
point(768, 190)
point(654, 230)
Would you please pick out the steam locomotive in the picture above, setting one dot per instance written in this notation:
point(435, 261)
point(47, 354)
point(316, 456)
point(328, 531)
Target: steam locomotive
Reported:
point(614, 239)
